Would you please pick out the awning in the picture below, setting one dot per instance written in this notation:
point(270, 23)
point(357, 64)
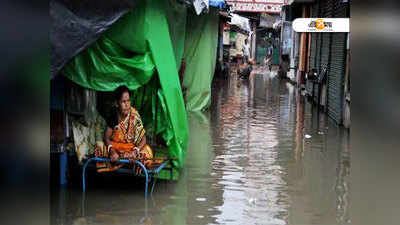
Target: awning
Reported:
point(240, 21)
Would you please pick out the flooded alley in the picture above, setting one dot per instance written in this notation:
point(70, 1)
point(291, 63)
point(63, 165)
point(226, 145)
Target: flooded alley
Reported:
point(260, 155)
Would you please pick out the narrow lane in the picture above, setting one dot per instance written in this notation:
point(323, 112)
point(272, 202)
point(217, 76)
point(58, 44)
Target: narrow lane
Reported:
point(260, 155)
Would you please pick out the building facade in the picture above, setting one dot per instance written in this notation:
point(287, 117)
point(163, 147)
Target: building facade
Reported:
point(316, 52)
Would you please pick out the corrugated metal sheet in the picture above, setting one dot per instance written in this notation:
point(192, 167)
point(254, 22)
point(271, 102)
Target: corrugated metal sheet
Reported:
point(313, 48)
point(318, 52)
point(325, 11)
point(336, 72)
point(330, 49)
point(318, 39)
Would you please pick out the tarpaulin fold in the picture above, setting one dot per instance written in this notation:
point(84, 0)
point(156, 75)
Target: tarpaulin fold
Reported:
point(77, 24)
point(200, 56)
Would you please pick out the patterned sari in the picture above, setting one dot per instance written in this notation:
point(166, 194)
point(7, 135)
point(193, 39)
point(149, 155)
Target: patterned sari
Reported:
point(126, 135)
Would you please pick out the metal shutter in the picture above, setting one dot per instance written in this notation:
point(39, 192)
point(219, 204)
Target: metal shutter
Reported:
point(336, 71)
point(313, 48)
point(318, 39)
point(326, 11)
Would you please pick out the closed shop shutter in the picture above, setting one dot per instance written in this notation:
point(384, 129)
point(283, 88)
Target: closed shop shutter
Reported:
point(313, 47)
point(326, 11)
point(336, 71)
point(313, 51)
point(326, 8)
point(318, 39)
point(318, 52)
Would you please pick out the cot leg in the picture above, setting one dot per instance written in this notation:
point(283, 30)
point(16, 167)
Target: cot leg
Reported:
point(147, 177)
point(84, 174)
point(154, 184)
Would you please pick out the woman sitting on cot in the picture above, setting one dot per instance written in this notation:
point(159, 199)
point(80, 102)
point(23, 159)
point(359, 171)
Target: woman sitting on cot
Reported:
point(124, 137)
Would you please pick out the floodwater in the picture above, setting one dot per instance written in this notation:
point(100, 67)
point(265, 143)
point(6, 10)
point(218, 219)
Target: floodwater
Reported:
point(261, 155)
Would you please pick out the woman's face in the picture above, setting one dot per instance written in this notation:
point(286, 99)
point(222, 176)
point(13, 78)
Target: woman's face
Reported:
point(124, 103)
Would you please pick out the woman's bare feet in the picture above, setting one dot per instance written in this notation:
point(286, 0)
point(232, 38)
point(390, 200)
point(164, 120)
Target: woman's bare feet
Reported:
point(114, 156)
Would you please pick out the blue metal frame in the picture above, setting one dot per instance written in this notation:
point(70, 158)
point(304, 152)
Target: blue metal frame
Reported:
point(125, 161)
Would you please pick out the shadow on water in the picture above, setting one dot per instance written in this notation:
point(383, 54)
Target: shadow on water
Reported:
point(260, 155)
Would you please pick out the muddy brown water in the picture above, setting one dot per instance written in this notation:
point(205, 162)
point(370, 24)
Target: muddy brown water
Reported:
point(260, 155)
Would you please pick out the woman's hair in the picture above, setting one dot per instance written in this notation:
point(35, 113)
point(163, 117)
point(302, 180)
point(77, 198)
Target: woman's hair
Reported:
point(119, 91)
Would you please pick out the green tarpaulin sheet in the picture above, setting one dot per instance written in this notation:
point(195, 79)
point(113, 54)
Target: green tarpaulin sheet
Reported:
point(176, 16)
point(143, 43)
point(200, 56)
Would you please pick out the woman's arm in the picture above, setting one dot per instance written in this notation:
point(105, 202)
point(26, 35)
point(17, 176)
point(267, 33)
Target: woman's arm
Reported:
point(142, 143)
point(107, 136)
point(107, 140)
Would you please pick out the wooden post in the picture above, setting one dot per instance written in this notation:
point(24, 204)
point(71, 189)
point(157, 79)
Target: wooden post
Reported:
point(307, 68)
point(302, 56)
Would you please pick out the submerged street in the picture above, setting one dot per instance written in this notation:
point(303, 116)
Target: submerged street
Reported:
point(260, 155)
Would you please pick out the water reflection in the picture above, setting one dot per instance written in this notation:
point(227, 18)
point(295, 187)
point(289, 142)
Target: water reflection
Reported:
point(342, 183)
point(267, 168)
point(246, 156)
point(248, 163)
